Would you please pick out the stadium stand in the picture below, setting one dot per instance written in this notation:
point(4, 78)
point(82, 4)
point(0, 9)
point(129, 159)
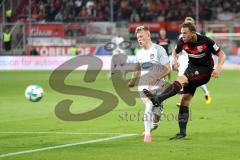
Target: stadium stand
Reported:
point(146, 10)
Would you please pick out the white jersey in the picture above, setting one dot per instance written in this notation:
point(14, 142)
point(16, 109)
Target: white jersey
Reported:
point(117, 40)
point(151, 61)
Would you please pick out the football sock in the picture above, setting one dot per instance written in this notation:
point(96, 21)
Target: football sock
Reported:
point(172, 90)
point(204, 89)
point(155, 125)
point(183, 119)
point(148, 117)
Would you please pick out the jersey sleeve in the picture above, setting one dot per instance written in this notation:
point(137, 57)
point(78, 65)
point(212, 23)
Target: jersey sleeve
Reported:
point(162, 55)
point(213, 46)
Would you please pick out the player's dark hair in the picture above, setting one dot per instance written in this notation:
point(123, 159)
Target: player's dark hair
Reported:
point(190, 26)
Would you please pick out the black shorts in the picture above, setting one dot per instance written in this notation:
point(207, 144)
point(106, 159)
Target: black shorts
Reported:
point(197, 76)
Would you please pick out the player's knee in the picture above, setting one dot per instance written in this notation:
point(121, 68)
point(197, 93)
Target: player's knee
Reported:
point(183, 80)
point(186, 99)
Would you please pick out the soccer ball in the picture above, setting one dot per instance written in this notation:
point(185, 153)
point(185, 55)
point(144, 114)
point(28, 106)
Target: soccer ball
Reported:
point(34, 93)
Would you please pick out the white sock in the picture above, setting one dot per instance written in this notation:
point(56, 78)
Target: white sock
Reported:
point(148, 117)
point(155, 124)
point(204, 89)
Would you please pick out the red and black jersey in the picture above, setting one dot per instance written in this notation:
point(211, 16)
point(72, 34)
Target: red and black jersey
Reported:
point(200, 52)
point(164, 42)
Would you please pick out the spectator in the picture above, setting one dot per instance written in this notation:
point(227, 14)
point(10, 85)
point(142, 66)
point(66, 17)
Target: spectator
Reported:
point(147, 10)
point(134, 16)
point(9, 15)
point(7, 39)
point(74, 50)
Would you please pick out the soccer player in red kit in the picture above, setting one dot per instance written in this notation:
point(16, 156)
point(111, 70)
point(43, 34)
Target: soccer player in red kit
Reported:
point(199, 71)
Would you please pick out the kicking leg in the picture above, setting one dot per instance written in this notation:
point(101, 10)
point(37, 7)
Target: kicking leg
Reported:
point(172, 90)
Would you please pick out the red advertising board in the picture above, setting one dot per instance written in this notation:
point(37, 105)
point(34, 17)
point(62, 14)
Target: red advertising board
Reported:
point(156, 26)
point(237, 29)
point(153, 26)
point(45, 30)
point(61, 50)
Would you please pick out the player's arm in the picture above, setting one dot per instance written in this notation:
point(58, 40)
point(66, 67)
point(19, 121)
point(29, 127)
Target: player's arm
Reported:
point(166, 70)
point(135, 75)
point(221, 59)
point(164, 62)
point(215, 49)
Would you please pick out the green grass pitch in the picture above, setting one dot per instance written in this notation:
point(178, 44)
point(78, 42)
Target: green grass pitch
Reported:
point(32, 131)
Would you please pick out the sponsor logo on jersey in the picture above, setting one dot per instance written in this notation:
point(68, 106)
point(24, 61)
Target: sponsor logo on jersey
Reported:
point(200, 48)
point(151, 56)
point(197, 55)
point(146, 65)
point(196, 73)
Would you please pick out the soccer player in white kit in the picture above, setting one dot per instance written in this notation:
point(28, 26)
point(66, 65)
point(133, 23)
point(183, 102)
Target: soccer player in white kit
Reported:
point(152, 63)
point(183, 63)
point(119, 57)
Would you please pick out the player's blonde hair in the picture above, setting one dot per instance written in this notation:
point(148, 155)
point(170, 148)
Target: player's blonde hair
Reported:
point(142, 28)
point(189, 19)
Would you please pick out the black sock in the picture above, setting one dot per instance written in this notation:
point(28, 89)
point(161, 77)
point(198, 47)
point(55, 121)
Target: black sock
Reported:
point(183, 119)
point(172, 90)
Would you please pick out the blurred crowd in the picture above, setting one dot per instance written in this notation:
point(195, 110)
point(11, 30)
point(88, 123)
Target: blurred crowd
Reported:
point(130, 10)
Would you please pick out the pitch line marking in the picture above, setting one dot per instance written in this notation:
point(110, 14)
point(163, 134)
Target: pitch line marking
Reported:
point(66, 133)
point(66, 145)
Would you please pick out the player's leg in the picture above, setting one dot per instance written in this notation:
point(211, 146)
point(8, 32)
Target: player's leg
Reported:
point(183, 116)
point(172, 90)
point(157, 113)
point(155, 122)
point(148, 121)
point(148, 111)
point(202, 77)
point(208, 97)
